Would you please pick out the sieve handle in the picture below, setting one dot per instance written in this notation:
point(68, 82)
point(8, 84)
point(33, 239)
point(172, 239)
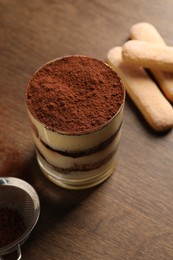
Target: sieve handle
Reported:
point(19, 253)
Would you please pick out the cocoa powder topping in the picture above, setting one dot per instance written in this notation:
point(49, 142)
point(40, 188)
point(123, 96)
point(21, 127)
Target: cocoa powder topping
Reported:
point(75, 94)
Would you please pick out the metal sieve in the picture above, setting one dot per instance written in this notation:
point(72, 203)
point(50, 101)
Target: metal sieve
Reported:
point(21, 196)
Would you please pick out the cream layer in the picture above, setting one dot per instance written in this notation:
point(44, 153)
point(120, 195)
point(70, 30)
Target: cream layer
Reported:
point(81, 142)
point(89, 161)
point(77, 177)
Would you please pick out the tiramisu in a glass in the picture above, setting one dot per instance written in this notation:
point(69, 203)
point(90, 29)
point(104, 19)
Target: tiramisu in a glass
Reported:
point(75, 105)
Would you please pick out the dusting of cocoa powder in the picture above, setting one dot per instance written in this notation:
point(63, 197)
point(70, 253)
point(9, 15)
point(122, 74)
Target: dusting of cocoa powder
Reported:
point(75, 94)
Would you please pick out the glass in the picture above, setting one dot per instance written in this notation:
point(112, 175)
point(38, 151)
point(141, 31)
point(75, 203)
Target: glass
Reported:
point(76, 160)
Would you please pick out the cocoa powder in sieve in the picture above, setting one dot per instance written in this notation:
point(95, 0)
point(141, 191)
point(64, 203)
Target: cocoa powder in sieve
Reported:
point(11, 226)
point(74, 94)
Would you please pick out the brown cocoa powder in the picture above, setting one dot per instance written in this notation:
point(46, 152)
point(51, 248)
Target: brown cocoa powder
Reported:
point(11, 226)
point(74, 94)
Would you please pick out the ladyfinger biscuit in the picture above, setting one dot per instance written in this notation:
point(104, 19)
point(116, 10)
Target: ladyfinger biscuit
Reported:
point(147, 32)
point(148, 55)
point(155, 108)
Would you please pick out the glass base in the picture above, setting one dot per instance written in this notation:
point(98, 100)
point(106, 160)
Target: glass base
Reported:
point(77, 180)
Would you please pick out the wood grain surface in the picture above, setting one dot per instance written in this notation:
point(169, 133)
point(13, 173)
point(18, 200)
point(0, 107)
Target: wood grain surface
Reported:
point(130, 216)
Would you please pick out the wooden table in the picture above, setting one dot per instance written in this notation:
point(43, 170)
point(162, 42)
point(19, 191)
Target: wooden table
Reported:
point(130, 216)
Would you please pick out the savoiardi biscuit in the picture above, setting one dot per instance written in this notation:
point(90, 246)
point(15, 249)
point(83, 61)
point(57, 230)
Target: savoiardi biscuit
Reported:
point(155, 108)
point(148, 55)
point(147, 32)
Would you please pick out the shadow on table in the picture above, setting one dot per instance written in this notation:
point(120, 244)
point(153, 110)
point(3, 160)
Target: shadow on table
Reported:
point(56, 202)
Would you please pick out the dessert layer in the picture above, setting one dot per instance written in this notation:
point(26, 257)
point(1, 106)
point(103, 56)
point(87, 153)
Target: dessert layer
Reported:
point(80, 168)
point(78, 180)
point(66, 163)
point(74, 95)
point(76, 143)
point(78, 154)
point(76, 177)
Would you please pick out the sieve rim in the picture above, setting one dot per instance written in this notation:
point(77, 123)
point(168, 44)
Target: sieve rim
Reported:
point(26, 187)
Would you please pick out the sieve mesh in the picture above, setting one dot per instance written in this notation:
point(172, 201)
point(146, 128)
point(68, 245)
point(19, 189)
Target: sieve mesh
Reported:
point(16, 198)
